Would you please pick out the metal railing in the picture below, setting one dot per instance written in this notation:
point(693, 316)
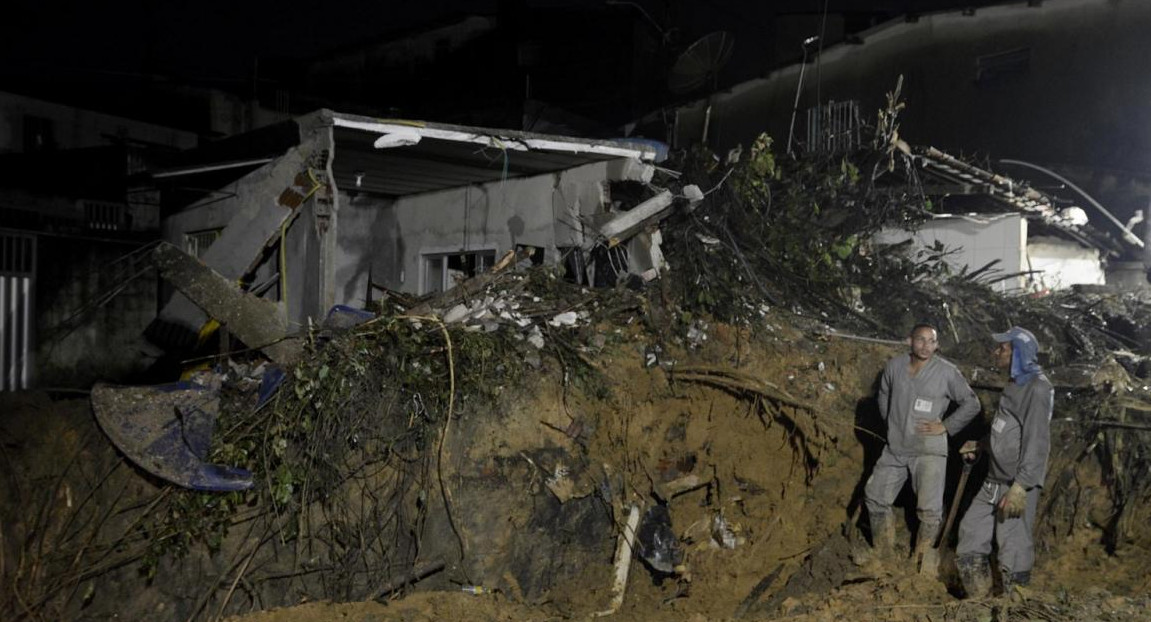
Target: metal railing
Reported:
point(833, 127)
point(17, 278)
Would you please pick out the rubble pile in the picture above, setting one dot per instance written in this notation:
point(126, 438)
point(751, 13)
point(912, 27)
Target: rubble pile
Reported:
point(523, 440)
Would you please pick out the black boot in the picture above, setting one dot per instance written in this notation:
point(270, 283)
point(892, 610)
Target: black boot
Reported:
point(975, 574)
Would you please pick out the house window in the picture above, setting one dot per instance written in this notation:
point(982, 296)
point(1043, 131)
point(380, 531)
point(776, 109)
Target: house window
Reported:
point(196, 243)
point(1002, 65)
point(39, 134)
point(443, 271)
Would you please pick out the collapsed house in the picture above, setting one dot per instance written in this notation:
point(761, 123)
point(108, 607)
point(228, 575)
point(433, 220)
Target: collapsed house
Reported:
point(1013, 235)
point(334, 209)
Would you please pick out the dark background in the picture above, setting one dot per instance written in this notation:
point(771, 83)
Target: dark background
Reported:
point(115, 59)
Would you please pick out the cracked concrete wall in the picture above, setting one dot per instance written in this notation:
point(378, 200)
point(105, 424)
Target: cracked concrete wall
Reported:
point(259, 203)
point(389, 238)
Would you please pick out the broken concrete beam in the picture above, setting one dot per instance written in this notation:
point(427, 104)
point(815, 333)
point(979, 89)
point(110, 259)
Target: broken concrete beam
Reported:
point(257, 322)
point(631, 169)
point(645, 258)
point(627, 224)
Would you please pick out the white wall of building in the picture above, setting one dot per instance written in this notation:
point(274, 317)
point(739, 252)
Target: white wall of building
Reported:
point(391, 239)
point(1064, 263)
point(974, 241)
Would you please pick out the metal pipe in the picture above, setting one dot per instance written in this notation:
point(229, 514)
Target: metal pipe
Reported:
point(208, 168)
point(1126, 234)
point(798, 91)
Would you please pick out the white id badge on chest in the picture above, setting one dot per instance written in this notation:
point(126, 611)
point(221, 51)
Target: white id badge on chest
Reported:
point(999, 424)
point(922, 405)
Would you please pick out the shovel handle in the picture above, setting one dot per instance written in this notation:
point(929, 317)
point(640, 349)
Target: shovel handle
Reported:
point(954, 503)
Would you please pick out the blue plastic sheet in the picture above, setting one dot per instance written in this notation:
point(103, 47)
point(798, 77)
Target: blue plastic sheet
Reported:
point(166, 430)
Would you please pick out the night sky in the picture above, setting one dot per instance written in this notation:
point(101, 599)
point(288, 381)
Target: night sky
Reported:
point(223, 41)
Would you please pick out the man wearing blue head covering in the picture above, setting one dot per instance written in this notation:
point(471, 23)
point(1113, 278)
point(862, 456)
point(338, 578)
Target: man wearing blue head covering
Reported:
point(1017, 446)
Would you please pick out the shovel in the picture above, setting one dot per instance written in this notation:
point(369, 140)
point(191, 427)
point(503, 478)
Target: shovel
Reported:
point(955, 503)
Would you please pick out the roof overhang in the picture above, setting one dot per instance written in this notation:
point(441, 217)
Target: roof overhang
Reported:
point(397, 157)
point(394, 158)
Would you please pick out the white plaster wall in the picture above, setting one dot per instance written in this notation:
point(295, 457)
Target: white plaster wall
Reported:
point(1064, 264)
point(392, 237)
point(367, 248)
point(976, 242)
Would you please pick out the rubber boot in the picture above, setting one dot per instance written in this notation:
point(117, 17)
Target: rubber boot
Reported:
point(975, 574)
point(926, 555)
point(883, 537)
point(1013, 582)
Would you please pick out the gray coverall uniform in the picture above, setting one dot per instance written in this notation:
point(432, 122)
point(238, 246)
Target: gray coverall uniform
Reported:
point(1018, 445)
point(903, 400)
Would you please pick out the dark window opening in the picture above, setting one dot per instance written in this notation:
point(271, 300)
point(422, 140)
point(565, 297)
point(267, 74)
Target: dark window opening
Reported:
point(444, 271)
point(1002, 66)
point(534, 253)
point(39, 134)
point(575, 266)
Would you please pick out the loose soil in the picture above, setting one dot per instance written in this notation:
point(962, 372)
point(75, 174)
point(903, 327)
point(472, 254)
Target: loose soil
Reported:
point(785, 480)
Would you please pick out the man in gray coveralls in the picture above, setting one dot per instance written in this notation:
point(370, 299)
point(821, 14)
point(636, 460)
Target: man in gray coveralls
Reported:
point(1018, 446)
point(914, 393)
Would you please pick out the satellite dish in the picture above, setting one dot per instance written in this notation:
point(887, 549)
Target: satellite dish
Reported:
point(700, 62)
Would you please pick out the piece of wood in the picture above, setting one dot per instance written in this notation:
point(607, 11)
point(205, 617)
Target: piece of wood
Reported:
point(417, 573)
point(623, 556)
point(676, 487)
point(466, 289)
point(757, 592)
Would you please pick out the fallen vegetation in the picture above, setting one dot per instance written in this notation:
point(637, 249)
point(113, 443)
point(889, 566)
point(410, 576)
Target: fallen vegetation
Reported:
point(500, 441)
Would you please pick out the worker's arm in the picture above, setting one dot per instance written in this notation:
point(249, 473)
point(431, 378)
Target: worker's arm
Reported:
point(967, 403)
point(1035, 434)
point(884, 397)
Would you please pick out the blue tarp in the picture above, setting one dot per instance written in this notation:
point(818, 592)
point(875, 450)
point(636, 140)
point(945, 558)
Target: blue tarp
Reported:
point(167, 430)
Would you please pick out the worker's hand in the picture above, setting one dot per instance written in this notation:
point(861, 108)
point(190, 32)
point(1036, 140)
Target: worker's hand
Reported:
point(927, 427)
point(970, 451)
point(1014, 501)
